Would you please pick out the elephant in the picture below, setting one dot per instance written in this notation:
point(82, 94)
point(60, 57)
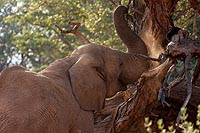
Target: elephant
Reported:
point(132, 41)
point(62, 98)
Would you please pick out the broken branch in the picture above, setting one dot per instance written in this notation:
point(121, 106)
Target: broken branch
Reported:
point(181, 47)
point(74, 31)
point(196, 72)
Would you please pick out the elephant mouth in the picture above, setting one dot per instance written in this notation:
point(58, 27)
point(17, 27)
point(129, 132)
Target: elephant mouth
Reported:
point(123, 86)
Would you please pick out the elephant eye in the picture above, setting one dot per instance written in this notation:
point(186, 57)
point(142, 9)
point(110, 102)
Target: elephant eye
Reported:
point(100, 73)
point(120, 64)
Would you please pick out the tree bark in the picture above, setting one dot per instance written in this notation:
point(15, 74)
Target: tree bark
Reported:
point(151, 19)
point(156, 23)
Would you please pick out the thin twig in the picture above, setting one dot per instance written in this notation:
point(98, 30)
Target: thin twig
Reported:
point(74, 31)
point(113, 2)
point(188, 85)
point(196, 72)
point(184, 49)
point(159, 59)
point(161, 94)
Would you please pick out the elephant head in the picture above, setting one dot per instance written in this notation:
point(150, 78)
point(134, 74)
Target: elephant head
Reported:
point(93, 75)
point(64, 95)
point(132, 41)
point(101, 72)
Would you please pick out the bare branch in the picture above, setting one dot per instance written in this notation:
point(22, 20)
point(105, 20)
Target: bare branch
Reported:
point(196, 72)
point(182, 47)
point(188, 84)
point(112, 1)
point(74, 31)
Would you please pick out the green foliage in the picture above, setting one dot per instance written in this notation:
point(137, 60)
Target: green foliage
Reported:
point(186, 126)
point(38, 42)
point(7, 49)
point(186, 17)
point(28, 35)
point(147, 124)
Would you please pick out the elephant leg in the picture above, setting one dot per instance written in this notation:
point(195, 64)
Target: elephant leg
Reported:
point(84, 123)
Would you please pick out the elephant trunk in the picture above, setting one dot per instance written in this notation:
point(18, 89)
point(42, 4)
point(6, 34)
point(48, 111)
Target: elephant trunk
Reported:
point(132, 41)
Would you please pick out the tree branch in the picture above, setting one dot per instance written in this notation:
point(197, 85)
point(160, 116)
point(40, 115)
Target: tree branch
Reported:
point(185, 49)
point(112, 1)
point(74, 31)
point(195, 4)
point(196, 72)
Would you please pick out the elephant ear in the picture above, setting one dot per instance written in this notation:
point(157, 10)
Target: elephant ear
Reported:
point(88, 85)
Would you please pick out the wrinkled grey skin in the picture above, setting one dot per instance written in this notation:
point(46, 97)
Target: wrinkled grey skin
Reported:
point(132, 41)
point(63, 97)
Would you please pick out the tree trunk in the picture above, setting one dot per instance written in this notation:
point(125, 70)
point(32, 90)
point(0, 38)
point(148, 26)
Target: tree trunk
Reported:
point(151, 19)
point(156, 23)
